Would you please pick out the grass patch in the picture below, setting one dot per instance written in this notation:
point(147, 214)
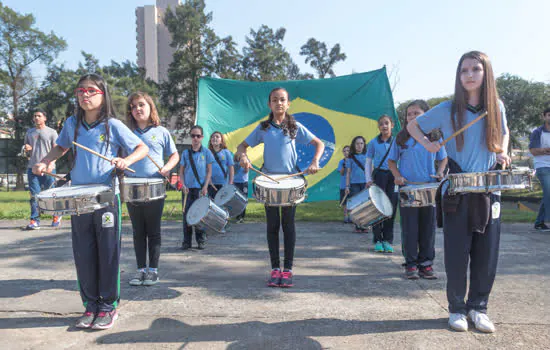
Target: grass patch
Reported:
point(15, 205)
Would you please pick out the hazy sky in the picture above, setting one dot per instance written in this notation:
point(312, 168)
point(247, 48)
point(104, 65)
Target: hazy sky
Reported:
point(421, 41)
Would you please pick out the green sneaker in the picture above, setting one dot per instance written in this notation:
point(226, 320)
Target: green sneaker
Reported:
point(387, 247)
point(378, 247)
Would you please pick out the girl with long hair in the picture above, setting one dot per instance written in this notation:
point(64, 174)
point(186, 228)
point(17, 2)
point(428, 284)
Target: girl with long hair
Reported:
point(96, 236)
point(471, 221)
point(355, 178)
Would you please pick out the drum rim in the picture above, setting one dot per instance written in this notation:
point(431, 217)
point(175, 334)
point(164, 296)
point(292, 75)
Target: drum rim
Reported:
point(66, 194)
point(148, 180)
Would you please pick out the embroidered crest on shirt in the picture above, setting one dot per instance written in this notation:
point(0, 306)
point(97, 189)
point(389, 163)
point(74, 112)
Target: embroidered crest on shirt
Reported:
point(107, 220)
point(102, 138)
point(154, 138)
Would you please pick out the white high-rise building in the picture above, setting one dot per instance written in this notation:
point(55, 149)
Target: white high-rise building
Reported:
point(153, 39)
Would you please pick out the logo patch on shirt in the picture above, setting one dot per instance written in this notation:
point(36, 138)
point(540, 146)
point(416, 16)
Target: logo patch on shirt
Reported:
point(102, 138)
point(495, 210)
point(107, 220)
point(154, 138)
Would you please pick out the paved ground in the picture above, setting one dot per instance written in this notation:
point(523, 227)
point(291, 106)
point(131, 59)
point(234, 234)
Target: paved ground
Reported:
point(346, 297)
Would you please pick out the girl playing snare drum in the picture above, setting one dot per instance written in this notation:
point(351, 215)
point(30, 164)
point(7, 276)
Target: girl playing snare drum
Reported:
point(280, 133)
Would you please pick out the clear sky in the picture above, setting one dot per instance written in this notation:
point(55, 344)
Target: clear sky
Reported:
point(420, 40)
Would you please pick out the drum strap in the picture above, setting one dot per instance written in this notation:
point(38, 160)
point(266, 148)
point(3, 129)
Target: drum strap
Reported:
point(361, 166)
point(193, 167)
point(220, 164)
point(383, 158)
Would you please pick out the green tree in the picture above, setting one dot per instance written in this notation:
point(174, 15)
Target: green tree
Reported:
point(21, 45)
point(524, 101)
point(320, 59)
point(199, 52)
point(265, 57)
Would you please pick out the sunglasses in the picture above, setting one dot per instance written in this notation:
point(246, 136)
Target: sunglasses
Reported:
point(195, 136)
point(91, 91)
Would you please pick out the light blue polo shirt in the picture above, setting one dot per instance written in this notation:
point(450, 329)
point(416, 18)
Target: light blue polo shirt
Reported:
point(376, 150)
point(415, 162)
point(240, 175)
point(357, 175)
point(226, 158)
point(475, 157)
point(89, 168)
point(202, 158)
point(160, 144)
point(343, 164)
point(280, 155)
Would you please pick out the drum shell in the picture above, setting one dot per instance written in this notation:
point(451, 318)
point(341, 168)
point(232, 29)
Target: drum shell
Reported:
point(231, 199)
point(490, 181)
point(214, 217)
point(145, 190)
point(369, 207)
point(415, 196)
point(65, 203)
point(280, 197)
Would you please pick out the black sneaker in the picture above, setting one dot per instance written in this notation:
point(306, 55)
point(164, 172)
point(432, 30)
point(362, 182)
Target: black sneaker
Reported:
point(286, 279)
point(427, 272)
point(105, 320)
point(542, 227)
point(151, 278)
point(138, 278)
point(201, 246)
point(185, 246)
point(86, 320)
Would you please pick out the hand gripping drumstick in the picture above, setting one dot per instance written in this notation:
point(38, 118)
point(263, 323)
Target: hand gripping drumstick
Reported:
point(464, 128)
point(98, 154)
point(267, 176)
point(166, 177)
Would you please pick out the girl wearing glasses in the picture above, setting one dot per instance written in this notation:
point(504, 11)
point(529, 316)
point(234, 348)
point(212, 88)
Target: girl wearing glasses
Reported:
point(96, 236)
point(195, 173)
point(143, 119)
point(279, 134)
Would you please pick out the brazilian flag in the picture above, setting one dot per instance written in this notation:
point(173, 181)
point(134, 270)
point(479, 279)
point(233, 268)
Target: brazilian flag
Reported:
point(335, 110)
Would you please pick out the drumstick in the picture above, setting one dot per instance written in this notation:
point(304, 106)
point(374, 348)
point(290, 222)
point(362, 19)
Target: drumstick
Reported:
point(291, 175)
point(267, 176)
point(98, 154)
point(184, 202)
point(463, 128)
point(166, 177)
point(343, 200)
point(53, 175)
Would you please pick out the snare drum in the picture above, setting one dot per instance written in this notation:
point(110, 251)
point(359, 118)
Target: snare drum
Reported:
point(75, 200)
point(369, 207)
point(491, 181)
point(418, 195)
point(233, 200)
point(287, 192)
point(138, 190)
point(204, 213)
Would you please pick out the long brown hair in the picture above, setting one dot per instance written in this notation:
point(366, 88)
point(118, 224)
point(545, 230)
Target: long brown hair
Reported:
point(222, 146)
point(153, 116)
point(289, 123)
point(489, 101)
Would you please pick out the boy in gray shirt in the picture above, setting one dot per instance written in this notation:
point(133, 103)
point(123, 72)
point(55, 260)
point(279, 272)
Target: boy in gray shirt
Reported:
point(38, 142)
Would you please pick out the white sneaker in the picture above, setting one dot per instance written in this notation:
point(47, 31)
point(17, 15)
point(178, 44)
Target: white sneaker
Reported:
point(458, 322)
point(481, 321)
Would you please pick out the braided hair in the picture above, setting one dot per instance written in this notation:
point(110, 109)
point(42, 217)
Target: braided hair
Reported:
point(288, 125)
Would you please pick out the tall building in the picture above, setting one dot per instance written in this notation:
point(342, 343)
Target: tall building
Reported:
point(153, 39)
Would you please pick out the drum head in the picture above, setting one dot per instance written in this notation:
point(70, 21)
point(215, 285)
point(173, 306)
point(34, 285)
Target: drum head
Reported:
point(292, 182)
point(225, 194)
point(198, 210)
point(381, 200)
point(142, 180)
point(73, 191)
